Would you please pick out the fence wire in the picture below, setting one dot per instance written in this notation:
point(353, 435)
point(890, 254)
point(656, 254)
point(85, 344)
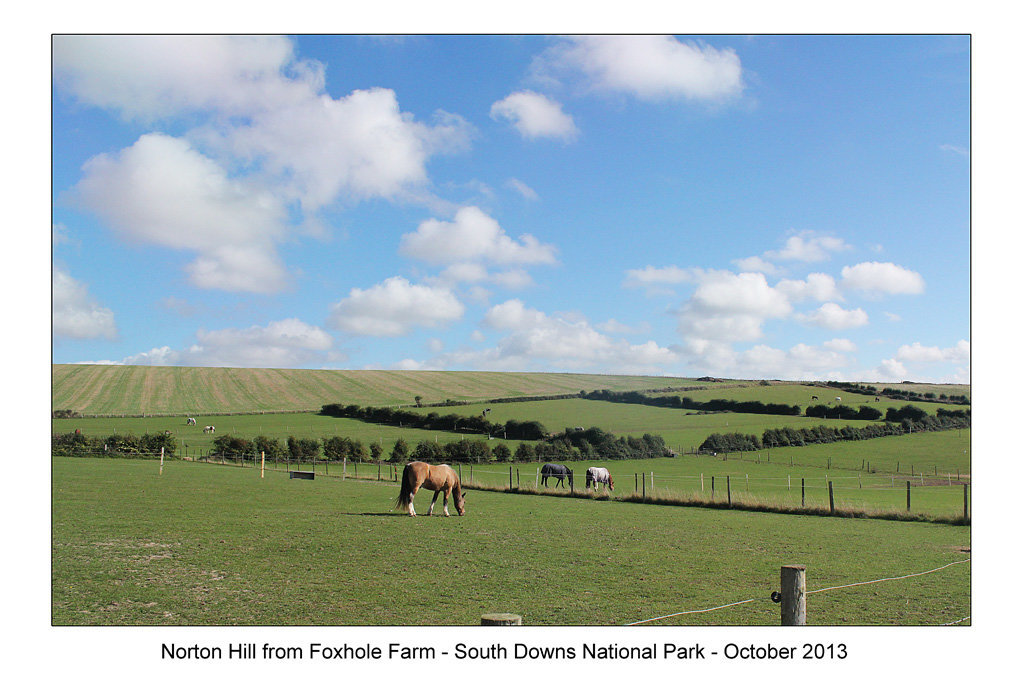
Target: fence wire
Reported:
point(818, 590)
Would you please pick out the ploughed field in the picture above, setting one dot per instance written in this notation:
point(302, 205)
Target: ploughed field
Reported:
point(209, 544)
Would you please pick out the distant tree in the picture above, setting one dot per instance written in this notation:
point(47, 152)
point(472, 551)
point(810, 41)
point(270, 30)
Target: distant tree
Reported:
point(400, 453)
point(502, 453)
point(376, 452)
point(419, 400)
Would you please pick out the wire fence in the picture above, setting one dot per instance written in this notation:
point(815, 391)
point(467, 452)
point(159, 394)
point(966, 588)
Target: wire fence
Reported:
point(818, 590)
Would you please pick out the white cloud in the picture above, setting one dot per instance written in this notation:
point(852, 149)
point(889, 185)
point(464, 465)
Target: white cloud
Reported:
point(917, 353)
point(956, 149)
point(817, 286)
point(756, 264)
point(473, 236)
point(842, 345)
point(264, 139)
point(76, 315)
point(882, 278)
point(159, 76)
point(807, 247)
point(833, 317)
point(359, 146)
point(522, 188)
point(393, 308)
point(280, 344)
point(656, 279)
point(536, 340)
point(891, 370)
point(161, 191)
point(535, 116)
point(648, 67)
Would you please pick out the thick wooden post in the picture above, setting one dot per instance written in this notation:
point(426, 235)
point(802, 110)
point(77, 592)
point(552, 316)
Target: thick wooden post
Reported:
point(831, 500)
point(965, 501)
point(510, 477)
point(803, 497)
point(728, 490)
point(501, 619)
point(908, 495)
point(794, 595)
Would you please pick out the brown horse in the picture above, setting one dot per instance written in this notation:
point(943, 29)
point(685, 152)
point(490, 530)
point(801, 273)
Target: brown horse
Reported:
point(435, 478)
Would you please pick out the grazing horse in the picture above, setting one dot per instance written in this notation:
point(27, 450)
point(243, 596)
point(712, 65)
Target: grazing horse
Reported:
point(599, 475)
point(209, 429)
point(559, 472)
point(814, 398)
point(190, 421)
point(436, 478)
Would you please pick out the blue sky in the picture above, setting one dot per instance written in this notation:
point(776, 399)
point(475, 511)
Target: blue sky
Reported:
point(793, 207)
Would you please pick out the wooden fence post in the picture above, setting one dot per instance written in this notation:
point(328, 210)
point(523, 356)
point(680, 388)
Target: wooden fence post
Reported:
point(965, 501)
point(728, 490)
point(908, 495)
point(831, 500)
point(803, 497)
point(794, 595)
point(510, 477)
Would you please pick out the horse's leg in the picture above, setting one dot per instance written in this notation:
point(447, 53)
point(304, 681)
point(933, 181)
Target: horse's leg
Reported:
point(412, 497)
point(434, 500)
point(446, 502)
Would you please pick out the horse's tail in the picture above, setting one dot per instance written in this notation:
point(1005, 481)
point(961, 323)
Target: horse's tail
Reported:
point(405, 493)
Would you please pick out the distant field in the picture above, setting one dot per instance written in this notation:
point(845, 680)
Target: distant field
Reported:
point(133, 547)
point(134, 390)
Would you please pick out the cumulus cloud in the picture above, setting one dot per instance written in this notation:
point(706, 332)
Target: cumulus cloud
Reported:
point(163, 192)
point(807, 247)
point(537, 340)
point(729, 307)
point(645, 66)
point(473, 236)
point(267, 146)
point(359, 146)
point(882, 278)
point(833, 317)
point(918, 353)
point(535, 116)
point(816, 286)
point(394, 308)
point(76, 314)
point(659, 281)
point(279, 344)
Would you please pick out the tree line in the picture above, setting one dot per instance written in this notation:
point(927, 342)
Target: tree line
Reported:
point(572, 444)
point(904, 420)
point(688, 403)
point(529, 430)
point(114, 446)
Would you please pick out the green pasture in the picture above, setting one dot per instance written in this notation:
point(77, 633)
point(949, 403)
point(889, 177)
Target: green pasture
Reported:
point(869, 475)
point(208, 544)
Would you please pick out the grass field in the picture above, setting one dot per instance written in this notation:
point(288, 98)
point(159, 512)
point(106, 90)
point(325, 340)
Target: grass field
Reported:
point(205, 544)
point(134, 390)
point(869, 475)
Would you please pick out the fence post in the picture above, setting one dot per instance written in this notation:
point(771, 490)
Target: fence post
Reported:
point(728, 490)
point(510, 477)
point(263, 463)
point(908, 495)
point(802, 492)
point(794, 595)
point(162, 461)
point(831, 500)
point(965, 501)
